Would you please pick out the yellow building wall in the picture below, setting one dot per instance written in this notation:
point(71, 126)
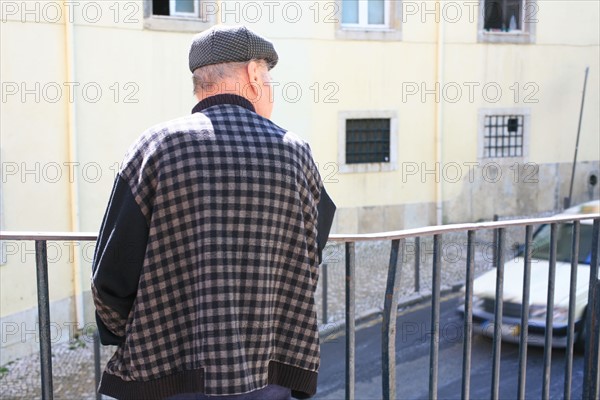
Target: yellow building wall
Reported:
point(35, 192)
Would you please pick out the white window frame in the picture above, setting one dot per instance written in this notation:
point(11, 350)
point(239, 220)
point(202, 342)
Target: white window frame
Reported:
point(524, 35)
point(193, 14)
point(390, 30)
point(179, 22)
point(483, 112)
point(392, 165)
point(363, 17)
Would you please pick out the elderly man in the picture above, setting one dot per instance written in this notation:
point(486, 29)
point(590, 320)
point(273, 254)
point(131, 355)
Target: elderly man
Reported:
point(207, 259)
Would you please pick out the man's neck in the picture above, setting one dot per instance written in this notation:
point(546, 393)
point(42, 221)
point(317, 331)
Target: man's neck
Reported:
point(223, 98)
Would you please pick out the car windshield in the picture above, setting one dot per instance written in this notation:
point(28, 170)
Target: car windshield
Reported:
point(541, 243)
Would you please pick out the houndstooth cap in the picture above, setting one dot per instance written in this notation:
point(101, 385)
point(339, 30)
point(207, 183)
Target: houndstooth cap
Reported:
point(222, 44)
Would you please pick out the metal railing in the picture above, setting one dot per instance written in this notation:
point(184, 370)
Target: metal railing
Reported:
point(43, 299)
point(591, 384)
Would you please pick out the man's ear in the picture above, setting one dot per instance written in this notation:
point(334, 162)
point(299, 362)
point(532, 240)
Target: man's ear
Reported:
point(254, 77)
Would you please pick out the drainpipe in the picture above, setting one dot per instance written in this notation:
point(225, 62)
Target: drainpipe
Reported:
point(439, 115)
point(72, 159)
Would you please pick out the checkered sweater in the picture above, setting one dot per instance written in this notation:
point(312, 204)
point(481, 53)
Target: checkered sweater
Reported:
point(207, 259)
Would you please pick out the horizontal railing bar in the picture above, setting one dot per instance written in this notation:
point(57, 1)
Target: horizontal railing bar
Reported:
point(441, 229)
point(9, 235)
point(391, 235)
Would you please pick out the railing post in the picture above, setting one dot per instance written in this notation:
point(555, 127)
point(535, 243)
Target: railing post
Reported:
point(97, 372)
point(594, 334)
point(468, 323)
point(592, 323)
point(499, 260)
point(350, 321)
point(435, 317)
point(417, 264)
point(572, 303)
point(324, 288)
point(523, 337)
point(549, 313)
point(41, 262)
point(388, 339)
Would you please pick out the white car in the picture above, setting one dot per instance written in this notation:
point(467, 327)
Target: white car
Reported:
point(484, 287)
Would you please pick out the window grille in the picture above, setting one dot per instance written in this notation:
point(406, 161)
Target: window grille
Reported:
point(367, 140)
point(503, 136)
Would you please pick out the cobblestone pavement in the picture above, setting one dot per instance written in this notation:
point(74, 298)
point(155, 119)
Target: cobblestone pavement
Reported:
point(73, 369)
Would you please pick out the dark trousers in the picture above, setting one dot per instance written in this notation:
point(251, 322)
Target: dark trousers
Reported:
point(270, 392)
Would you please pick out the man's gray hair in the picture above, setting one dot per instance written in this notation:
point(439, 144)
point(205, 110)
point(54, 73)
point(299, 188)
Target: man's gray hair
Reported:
point(207, 78)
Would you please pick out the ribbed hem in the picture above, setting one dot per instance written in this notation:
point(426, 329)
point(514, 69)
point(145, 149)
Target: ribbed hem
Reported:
point(219, 99)
point(302, 382)
point(181, 382)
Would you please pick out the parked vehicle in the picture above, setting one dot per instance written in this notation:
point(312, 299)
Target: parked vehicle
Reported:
point(484, 286)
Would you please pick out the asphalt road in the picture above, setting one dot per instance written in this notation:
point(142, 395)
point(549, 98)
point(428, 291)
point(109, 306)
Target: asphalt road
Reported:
point(412, 358)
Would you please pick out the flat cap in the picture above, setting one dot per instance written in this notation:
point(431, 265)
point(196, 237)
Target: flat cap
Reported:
point(223, 44)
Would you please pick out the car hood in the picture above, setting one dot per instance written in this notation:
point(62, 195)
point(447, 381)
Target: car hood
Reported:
point(485, 285)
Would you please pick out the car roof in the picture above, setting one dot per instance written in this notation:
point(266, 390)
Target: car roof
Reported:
point(590, 207)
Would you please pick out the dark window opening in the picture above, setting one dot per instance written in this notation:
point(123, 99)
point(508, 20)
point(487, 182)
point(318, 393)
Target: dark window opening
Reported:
point(177, 8)
point(503, 136)
point(503, 15)
point(367, 140)
point(160, 7)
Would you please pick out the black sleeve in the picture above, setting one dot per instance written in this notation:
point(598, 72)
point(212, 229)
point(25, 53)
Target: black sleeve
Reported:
point(326, 209)
point(118, 261)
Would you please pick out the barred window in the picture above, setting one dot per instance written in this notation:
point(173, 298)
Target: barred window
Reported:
point(503, 136)
point(367, 140)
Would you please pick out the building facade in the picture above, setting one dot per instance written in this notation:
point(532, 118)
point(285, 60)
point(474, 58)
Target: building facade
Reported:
point(418, 113)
